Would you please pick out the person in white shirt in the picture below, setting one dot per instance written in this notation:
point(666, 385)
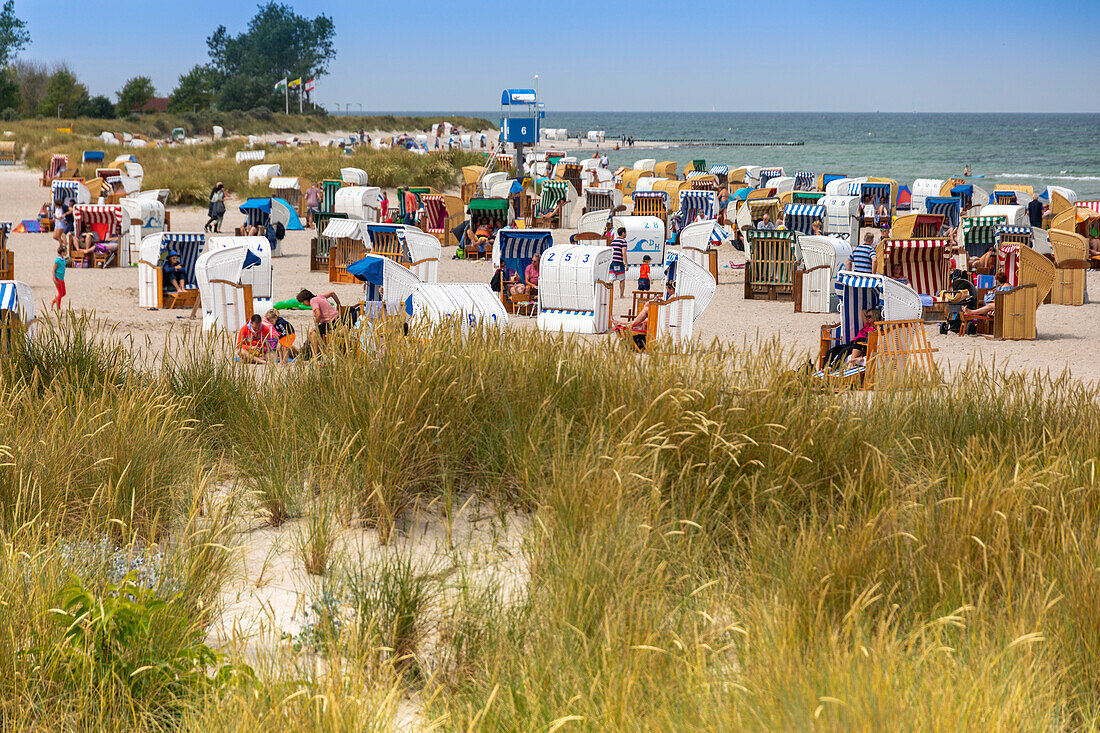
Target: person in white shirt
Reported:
point(603, 160)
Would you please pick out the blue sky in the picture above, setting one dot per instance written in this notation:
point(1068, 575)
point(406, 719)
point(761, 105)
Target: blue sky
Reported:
point(641, 55)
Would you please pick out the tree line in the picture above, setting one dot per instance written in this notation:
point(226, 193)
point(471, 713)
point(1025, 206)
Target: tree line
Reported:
point(240, 74)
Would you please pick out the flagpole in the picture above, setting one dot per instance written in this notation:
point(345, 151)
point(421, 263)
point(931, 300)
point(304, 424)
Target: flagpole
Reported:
point(300, 93)
point(286, 91)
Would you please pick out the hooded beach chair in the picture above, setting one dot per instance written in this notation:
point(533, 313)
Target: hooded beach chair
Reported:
point(925, 263)
point(227, 300)
point(697, 205)
point(575, 291)
point(442, 213)
point(549, 211)
point(665, 169)
point(7, 257)
point(766, 174)
point(800, 217)
point(978, 233)
point(1071, 252)
point(495, 209)
point(769, 273)
point(103, 219)
point(919, 226)
point(347, 243)
point(818, 259)
point(949, 207)
point(17, 319)
point(597, 198)
point(154, 251)
point(699, 243)
point(651, 203)
point(515, 248)
point(898, 348)
point(59, 163)
point(385, 283)
point(804, 181)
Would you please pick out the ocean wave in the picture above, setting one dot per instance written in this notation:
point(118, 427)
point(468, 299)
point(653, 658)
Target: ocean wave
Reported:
point(1046, 177)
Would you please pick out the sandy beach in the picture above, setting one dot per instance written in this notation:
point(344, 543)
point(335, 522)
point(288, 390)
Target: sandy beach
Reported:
point(1068, 337)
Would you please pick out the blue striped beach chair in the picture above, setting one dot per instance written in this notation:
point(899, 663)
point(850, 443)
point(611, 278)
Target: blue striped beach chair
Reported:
point(804, 181)
point(800, 217)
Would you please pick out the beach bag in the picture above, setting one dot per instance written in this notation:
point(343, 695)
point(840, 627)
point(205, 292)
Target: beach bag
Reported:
point(219, 208)
point(280, 230)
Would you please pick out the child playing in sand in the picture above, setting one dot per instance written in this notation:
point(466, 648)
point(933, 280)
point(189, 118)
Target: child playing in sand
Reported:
point(59, 276)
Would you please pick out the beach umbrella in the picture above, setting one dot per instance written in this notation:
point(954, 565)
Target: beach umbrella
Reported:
point(742, 193)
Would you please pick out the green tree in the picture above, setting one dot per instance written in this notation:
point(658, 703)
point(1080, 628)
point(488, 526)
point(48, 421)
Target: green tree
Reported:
point(278, 43)
point(196, 90)
point(64, 91)
point(9, 90)
point(134, 94)
point(98, 107)
point(33, 78)
point(13, 33)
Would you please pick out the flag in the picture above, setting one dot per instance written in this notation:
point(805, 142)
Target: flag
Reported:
point(296, 83)
point(311, 84)
point(281, 85)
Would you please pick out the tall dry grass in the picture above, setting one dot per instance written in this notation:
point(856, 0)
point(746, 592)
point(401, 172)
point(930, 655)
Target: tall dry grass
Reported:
point(715, 543)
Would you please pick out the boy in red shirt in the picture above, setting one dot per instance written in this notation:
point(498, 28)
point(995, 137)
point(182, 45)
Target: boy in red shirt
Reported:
point(643, 274)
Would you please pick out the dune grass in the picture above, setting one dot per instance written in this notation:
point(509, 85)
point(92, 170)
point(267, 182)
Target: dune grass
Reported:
point(713, 543)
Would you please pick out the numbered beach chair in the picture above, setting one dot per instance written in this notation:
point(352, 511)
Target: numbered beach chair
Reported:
point(575, 292)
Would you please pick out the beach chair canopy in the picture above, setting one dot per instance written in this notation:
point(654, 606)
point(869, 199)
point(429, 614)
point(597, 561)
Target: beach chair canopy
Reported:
point(256, 267)
point(385, 280)
point(804, 180)
point(1068, 193)
point(696, 205)
point(358, 202)
point(701, 236)
point(645, 164)
point(345, 229)
point(284, 183)
point(64, 189)
point(59, 163)
point(257, 211)
point(695, 281)
point(1004, 232)
point(517, 247)
point(104, 219)
point(470, 305)
point(766, 174)
point(570, 298)
point(283, 213)
point(16, 297)
point(719, 169)
point(218, 275)
point(92, 156)
point(800, 217)
point(859, 291)
point(1013, 214)
point(251, 156)
point(353, 176)
point(949, 207)
point(827, 178)
point(924, 262)
point(263, 172)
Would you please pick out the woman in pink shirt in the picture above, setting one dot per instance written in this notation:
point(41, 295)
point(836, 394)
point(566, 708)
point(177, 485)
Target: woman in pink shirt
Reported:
point(530, 277)
point(324, 314)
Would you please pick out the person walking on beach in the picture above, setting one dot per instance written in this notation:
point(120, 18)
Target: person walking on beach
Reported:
point(863, 257)
point(313, 204)
point(618, 260)
point(1035, 212)
point(217, 208)
point(59, 276)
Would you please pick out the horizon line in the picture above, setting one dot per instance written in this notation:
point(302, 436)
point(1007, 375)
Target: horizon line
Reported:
point(366, 113)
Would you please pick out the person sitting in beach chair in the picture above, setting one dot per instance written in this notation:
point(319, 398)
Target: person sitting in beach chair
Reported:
point(256, 340)
point(530, 286)
point(856, 349)
point(175, 277)
point(91, 244)
point(765, 223)
point(640, 323)
point(987, 309)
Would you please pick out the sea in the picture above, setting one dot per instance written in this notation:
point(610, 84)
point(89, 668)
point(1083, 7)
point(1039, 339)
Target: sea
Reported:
point(1036, 149)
